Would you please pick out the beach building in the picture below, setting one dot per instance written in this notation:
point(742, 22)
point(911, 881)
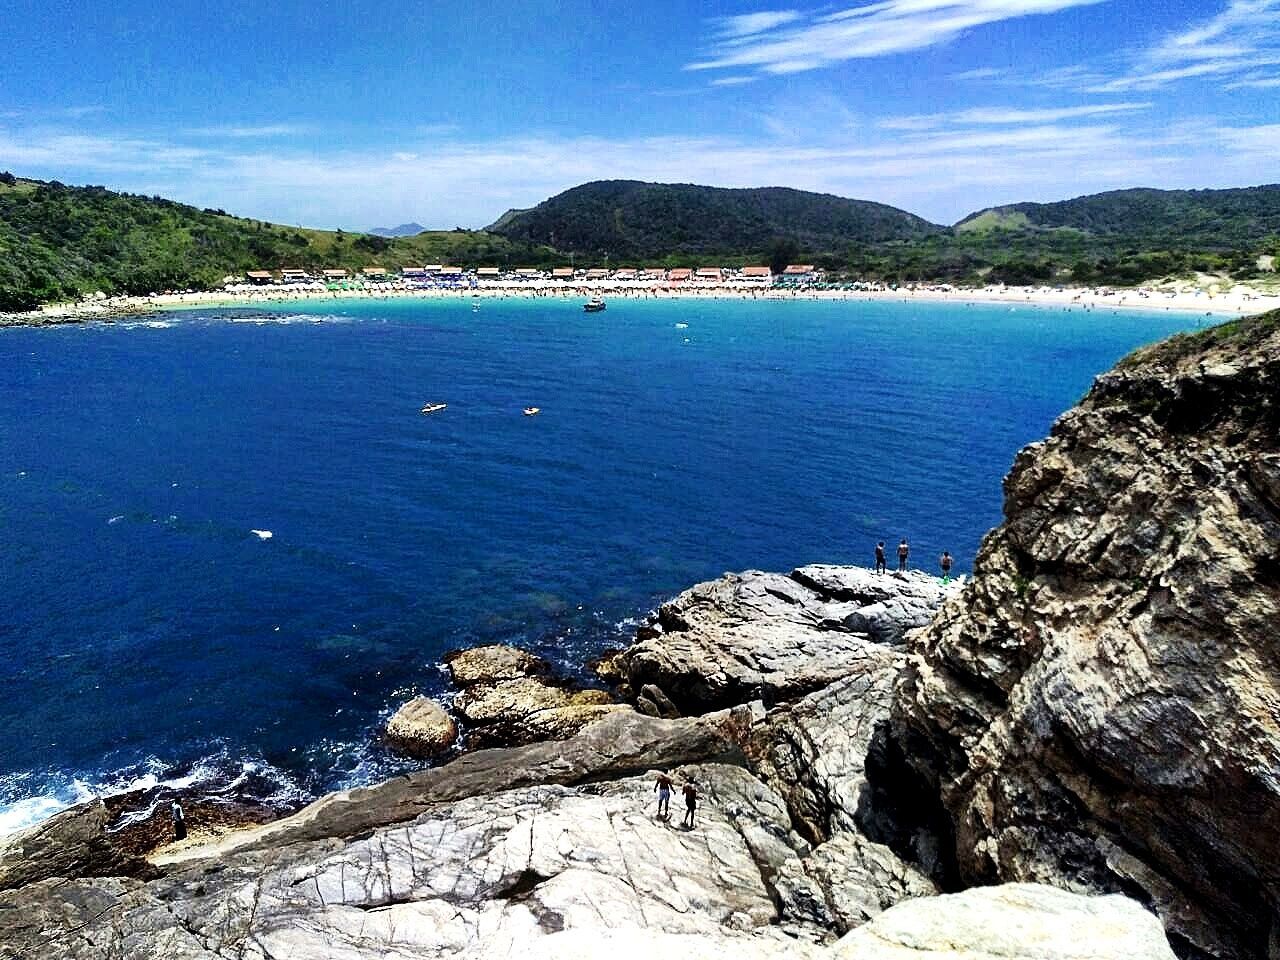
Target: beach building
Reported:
point(562, 273)
point(762, 275)
point(488, 273)
point(653, 273)
point(710, 274)
point(529, 273)
point(375, 273)
point(413, 273)
point(294, 276)
point(260, 277)
point(450, 273)
point(798, 272)
point(433, 268)
point(335, 275)
point(679, 275)
point(597, 274)
point(624, 274)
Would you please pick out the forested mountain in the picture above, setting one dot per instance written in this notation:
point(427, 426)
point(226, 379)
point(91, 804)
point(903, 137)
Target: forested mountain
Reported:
point(59, 242)
point(632, 219)
point(1172, 219)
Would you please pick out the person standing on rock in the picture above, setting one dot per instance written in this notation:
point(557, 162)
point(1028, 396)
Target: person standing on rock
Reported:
point(945, 561)
point(880, 564)
point(179, 821)
point(663, 787)
point(690, 804)
point(903, 552)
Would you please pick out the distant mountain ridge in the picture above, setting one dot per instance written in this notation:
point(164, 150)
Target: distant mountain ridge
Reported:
point(404, 230)
point(62, 242)
point(1186, 219)
point(631, 218)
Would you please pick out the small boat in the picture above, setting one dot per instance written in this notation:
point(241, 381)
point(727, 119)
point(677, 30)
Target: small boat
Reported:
point(433, 407)
point(532, 411)
point(594, 305)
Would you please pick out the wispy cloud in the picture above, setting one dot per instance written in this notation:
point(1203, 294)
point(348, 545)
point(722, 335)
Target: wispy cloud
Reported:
point(798, 43)
point(736, 80)
point(1242, 37)
point(979, 73)
point(236, 132)
point(750, 24)
point(1004, 116)
point(1254, 83)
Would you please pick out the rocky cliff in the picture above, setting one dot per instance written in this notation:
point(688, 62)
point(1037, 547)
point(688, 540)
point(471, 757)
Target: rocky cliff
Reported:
point(1100, 707)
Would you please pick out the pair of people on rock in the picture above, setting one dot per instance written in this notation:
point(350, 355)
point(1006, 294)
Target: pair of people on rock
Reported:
point(663, 786)
point(904, 551)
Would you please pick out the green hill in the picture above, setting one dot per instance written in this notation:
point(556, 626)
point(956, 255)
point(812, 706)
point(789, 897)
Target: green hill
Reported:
point(59, 242)
point(1206, 220)
point(632, 219)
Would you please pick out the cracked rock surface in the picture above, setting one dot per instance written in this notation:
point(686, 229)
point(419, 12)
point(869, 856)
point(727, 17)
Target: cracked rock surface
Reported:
point(776, 636)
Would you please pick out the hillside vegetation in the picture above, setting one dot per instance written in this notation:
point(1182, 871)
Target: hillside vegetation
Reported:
point(632, 219)
point(59, 242)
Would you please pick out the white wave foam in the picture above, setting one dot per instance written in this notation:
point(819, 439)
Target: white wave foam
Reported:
point(116, 519)
point(216, 775)
point(262, 534)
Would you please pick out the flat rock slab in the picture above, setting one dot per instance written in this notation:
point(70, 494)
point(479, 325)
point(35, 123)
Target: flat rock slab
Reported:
point(776, 637)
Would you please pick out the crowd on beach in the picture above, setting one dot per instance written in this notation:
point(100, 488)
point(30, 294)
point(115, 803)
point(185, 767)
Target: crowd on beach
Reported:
point(805, 284)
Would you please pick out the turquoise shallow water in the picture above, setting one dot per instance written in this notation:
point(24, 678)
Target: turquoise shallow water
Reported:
point(149, 634)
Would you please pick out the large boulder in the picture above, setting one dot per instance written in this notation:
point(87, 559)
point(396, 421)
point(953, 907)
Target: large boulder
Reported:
point(1012, 922)
point(1101, 706)
point(422, 728)
point(776, 637)
point(492, 663)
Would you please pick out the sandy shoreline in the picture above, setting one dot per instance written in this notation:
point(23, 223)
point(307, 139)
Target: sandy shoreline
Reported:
point(1233, 303)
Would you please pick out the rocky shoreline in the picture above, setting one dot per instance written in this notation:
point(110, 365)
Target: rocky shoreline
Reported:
point(1073, 755)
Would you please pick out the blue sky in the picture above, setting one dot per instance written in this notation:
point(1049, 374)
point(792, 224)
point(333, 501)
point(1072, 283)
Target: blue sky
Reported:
point(361, 114)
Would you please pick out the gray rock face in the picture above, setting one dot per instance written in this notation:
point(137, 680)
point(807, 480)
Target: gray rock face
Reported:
point(422, 728)
point(1012, 922)
point(765, 635)
point(1100, 707)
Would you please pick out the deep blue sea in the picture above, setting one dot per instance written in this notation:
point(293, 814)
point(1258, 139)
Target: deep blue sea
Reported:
point(151, 630)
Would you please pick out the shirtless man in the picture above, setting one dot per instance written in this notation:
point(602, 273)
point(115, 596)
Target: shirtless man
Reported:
point(663, 787)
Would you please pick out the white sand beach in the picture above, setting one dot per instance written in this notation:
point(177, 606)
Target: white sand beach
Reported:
point(1239, 300)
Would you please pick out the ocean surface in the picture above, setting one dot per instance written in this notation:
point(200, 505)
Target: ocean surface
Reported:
point(231, 544)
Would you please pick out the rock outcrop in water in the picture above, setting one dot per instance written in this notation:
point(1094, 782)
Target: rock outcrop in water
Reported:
point(1100, 708)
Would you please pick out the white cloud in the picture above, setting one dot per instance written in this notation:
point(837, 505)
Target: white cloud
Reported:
point(980, 73)
point(941, 172)
point(732, 81)
point(749, 24)
point(1007, 116)
point(1242, 37)
point(870, 30)
point(1254, 83)
point(250, 132)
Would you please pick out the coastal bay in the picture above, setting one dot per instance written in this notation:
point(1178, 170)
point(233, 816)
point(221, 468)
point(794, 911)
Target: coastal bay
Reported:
point(175, 643)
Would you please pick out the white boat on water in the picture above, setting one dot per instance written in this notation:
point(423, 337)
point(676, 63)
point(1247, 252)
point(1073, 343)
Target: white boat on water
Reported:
point(594, 305)
point(433, 407)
